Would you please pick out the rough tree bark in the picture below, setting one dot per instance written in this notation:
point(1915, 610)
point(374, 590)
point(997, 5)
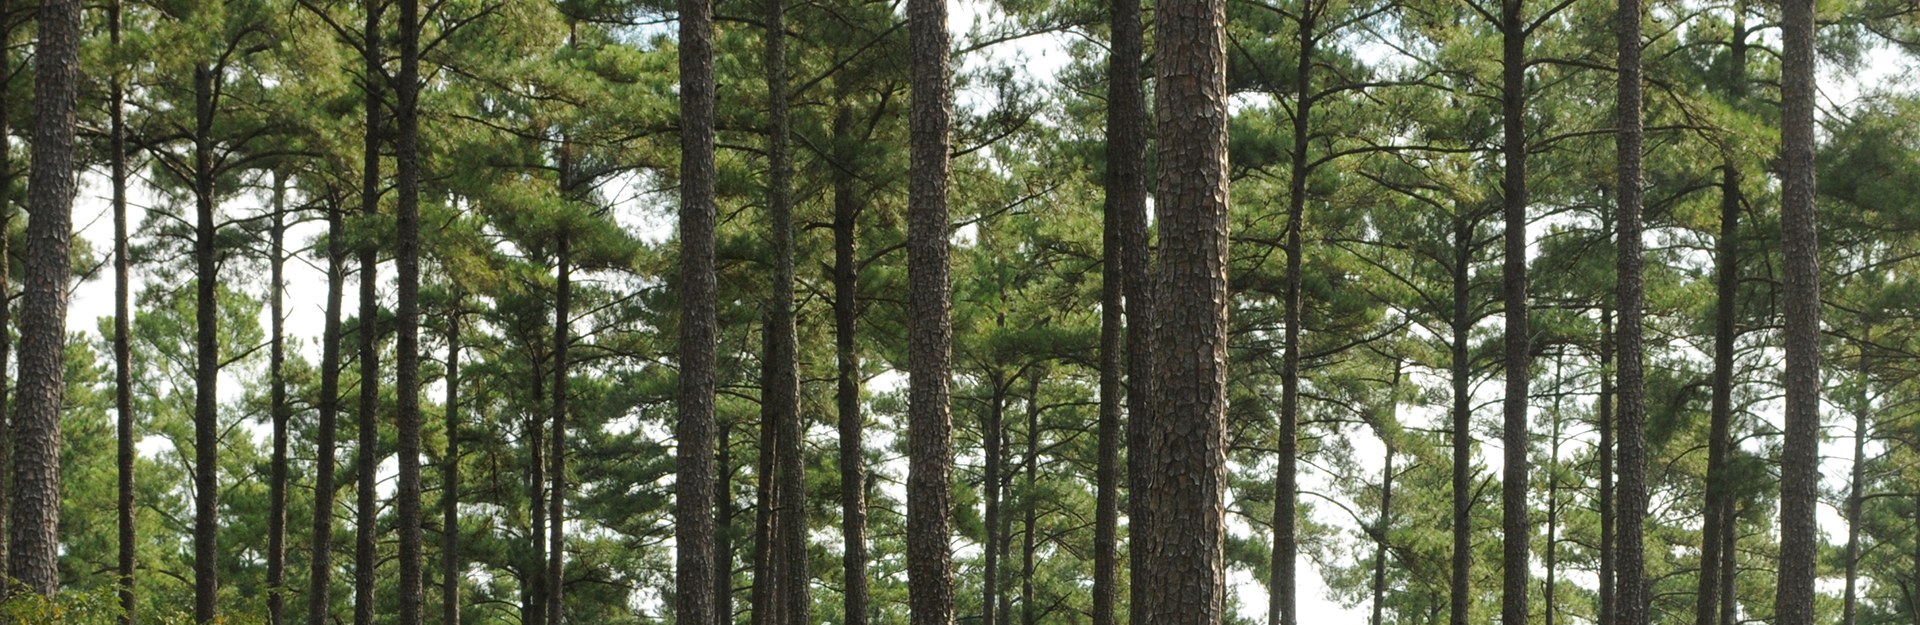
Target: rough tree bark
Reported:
point(853, 470)
point(1516, 531)
point(930, 331)
point(206, 406)
point(1632, 602)
point(782, 393)
point(1186, 432)
point(373, 82)
point(1800, 305)
point(694, 428)
point(406, 378)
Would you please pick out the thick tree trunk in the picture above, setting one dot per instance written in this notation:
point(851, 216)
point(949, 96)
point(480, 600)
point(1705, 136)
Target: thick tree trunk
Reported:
point(930, 331)
point(694, 572)
point(1186, 430)
point(1515, 528)
point(122, 315)
point(406, 150)
point(33, 555)
point(853, 470)
point(1460, 602)
point(365, 514)
point(450, 481)
point(1632, 601)
point(277, 407)
point(320, 576)
point(1286, 547)
point(1800, 305)
point(206, 399)
point(990, 436)
point(556, 502)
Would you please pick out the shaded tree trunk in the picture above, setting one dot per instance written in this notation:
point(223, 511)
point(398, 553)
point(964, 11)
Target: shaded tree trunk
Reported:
point(1461, 323)
point(766, 597)
point(853, 471)
point(533, 609)
point(1125, 187)
point(1516, 531)
point(1800, 305)
point(320, 575)
point(694, 573)
point(1851, 599)
point(1605, 453)
point(277, 407)
point(990, 435)
point(1286, 547)
point(1632, 600)
point(1186, 430)
point(364, 562)
point(1726, 254)
point(723, 527)
point(33, 554)
point(6, 293)
point(406, 151)
point(930, 331)
point(783, 389)
point(1030, 507)
point(450, 475)
point(1380, 541)
point(206, 406)
point(122, 315)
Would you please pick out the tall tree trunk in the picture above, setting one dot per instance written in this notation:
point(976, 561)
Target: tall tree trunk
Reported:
point(1605, 453)
point(1460, 602)
point(556, 515)
point(122, 315)
point(1126, 203)
point(1516, 530)
point(6, 292)
point(1124, 186)
point(1800, 304)
point(320, 576)
point(694, 572)
point(1286, 496)
point(277, 406)
point(990, 435)
point(1857, 483)
point(1632, 601)
point(1550, 605)
point(206, 399)
point(365, 514)
point(33, 555)
point(1029, 506)
point(783, 390)
point(450, 475)
point(1186, 431)
point(846, 296)
point(930, 331)
point(766, 597)
point(1729, 601)
point(1726, 254)
point(406, 150)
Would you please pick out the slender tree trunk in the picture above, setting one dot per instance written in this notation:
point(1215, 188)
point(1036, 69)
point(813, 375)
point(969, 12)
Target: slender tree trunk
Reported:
point(1605, 453)
point(767, 579)
point(1550, 605)
point(1729, 602)
point(122, 315)
point(1186, 450)
point(723, 527)
point(1286, 496)
point(206, 399)
point(6, 292)
point(364, 562)
point(1800, 304)
point(990, 434)
point(533, 610)
point(1030, 507)
point(1124, 186)
point(853, 471)
point(1857, 484)
point(1381, 525)
point(930, 331)
point(277, 359)
point(1126, 202)
point(450, 486)
point(783, 390)
point(33, 555)
point(1725, 331)
point(320, 577)
point(1516, 530)
point(1460, 602)
point(1632, 602)
point(406, 151)
point(693, 497)
point(562, 339)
